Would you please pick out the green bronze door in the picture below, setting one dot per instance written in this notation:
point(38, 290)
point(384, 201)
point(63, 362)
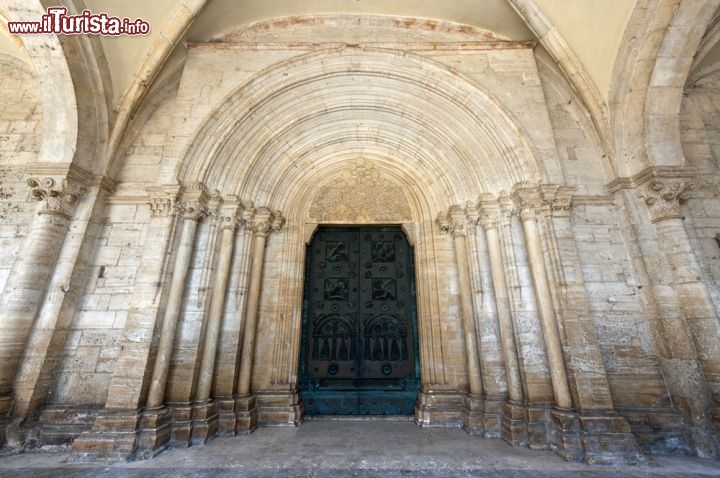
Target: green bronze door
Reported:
point(359, 341)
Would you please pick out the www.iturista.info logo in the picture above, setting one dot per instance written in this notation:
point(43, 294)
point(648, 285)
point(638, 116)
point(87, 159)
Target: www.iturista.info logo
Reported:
point(57, 21)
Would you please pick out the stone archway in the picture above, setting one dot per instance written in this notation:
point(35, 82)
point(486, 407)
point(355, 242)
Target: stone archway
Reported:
point(426, 136)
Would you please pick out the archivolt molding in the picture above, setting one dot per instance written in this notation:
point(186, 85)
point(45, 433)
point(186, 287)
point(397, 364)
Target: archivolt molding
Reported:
point(461, 137)
point(672, 67)
point(60, 112)
point(650, 73)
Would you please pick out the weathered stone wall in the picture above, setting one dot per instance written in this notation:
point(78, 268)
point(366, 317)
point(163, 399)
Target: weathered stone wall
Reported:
point(20, 136)
point(616, 303)
point(97, 330)
point(700, 134)
point(20, 131)
point(614, 292)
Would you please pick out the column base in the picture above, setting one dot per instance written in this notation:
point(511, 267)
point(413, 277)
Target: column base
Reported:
point(113, 437)
point(247, 414)
point(473, 415)
point(514, 427)
point(155, 432)
point(599, 438)
point(280, 408)
point(493, 416)
point(564, 435)
point(439, 409)
point(61, 424)
point(537, 426)
point(17, 433)
point(607, 439)
point(181, 424)
point(227, 418)
point(204, 422)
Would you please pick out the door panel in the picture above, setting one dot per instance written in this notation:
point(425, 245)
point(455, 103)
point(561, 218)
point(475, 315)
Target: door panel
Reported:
point(359, 353)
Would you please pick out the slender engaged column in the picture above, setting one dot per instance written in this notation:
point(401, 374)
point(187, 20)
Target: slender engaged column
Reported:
point(558, 372)
point(233, 321)
point(217, 303)
point(455, 224)
point(491, 224)
point(192, 212)
point(264, 222)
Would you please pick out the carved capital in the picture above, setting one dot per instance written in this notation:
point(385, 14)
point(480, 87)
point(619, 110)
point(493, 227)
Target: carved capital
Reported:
point(163, 200)
point(528, 202)
point(663, 198)
point(265, 221)
point(490, 212)
point(473, 218)
point(194, 210)
point(491, 220)
point(557, 199)
point(229, 215)
point(195, 202)
point(246, 216)
point(454, 222)
point(214, 205)
point(59, 196)
point(161, 207)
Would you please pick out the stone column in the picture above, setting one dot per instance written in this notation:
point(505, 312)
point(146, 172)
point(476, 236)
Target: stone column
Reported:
point(205, 413)
point(155, 425)
point(663, 199)
point(529, 202)
point(44, 346)
point(455, 223)
point(264, 222)
point(492, 364)
point(192, 212)
point(596, 434)
point(514, 427)
point(30, 274)
point(232, 334)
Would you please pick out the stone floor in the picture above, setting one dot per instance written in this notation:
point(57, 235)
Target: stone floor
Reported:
point(324, 448)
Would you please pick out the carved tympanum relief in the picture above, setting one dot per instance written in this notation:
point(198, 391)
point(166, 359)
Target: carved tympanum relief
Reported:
point(361, 195)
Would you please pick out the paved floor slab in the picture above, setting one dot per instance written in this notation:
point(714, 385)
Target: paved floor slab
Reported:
point(352, 448)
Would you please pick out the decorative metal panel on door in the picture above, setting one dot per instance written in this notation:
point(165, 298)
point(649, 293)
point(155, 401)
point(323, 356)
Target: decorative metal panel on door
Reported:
point(359, 342)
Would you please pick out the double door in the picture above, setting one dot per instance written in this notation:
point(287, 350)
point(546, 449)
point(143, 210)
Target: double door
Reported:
point(359, 353)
